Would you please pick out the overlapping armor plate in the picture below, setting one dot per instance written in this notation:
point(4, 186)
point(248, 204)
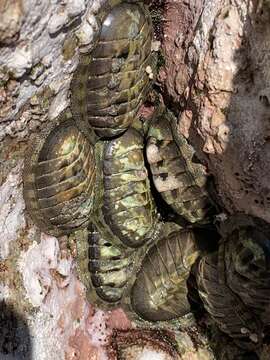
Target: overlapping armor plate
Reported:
point(234, 285)
point(110, 83)
point(104, 267)
point(127, 205)
point(181, 182)
point(59, 176)
point(158, 291)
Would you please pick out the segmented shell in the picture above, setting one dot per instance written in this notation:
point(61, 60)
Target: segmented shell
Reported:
point(59, 177)
point(224, 306)
point(180, 181)
point(104, 267)
point(247, 256)
point(111, 82)
point(160, 290)
point(127, 206)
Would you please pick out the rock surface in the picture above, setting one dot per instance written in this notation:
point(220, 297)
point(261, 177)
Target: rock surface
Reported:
point(216, 74)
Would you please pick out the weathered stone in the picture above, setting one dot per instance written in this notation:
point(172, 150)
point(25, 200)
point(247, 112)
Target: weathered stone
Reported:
point(11, 17)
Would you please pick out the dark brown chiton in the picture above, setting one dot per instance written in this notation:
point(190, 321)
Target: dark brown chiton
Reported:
point(226, 307)
point(110, 83)
point(59, 176)
point(127, 206)
point(104, 267)
point(181, 182)
point(160, 292)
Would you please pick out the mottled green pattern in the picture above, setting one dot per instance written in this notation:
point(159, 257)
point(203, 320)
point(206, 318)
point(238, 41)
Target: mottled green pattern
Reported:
point(104, 267)
point(99, 190)
point(155, 296)
point(128, 206)
point(180, 181)
point(59, 175)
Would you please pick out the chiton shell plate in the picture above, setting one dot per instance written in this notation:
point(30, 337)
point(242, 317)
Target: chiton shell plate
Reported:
point(224, 306)
point(104, 267)
point(111, 82)
point(59, 176)
point(247, 256)
point(126, 206)
point(158, 293)
point(180, 181)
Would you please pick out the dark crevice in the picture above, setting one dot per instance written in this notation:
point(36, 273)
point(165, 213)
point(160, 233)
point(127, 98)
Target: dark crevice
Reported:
point(15, 339)
point(156, 8)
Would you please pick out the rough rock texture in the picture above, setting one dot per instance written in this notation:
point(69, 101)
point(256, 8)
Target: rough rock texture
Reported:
point(216, 74)
point(43, 310)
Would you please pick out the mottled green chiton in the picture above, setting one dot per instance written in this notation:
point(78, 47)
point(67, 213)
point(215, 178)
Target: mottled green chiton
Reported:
point(104, 267)
point(111, 82)
point(59, 176)
point(127, 205)
point(124, 206)
point(181, 182)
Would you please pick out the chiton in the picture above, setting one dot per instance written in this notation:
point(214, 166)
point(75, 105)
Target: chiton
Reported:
point(59, 176)
point(126, 206)
point(225, 307)
point(247, 259)
point(181, 182)
point(159, 291)
point(111, 82)
point(104, 267)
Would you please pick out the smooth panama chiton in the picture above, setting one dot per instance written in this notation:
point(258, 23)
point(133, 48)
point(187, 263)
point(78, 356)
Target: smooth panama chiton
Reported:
point(181, 182)
point(59, 176)
point(125, 204)
point(111, 82)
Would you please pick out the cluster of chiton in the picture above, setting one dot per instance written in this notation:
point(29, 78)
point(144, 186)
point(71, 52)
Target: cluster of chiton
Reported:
point(99, 173)
point(234, 281)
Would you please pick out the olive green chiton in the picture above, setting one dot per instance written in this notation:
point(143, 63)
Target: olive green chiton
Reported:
point(159, 291)
point(110, 83)
point(180, 181)
point(59, 175)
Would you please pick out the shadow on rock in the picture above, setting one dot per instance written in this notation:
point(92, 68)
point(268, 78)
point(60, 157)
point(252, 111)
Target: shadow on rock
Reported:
point(15, 339)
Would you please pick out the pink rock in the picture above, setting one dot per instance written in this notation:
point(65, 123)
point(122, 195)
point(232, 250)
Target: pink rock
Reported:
point(80, 347)
point(118, 320)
